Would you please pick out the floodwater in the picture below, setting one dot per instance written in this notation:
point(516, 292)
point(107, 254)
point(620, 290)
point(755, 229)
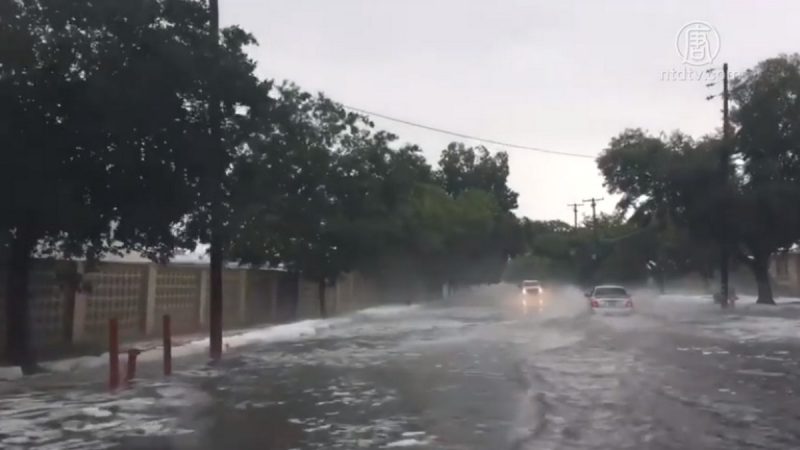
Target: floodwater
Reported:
point(480, 372)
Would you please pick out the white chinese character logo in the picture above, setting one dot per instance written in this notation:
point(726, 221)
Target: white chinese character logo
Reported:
point(698, 43)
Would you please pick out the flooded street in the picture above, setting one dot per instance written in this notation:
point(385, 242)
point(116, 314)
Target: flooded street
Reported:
point(374, 225)
point(483, 372)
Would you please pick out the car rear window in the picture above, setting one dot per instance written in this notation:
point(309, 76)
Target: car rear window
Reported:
point(610, 292)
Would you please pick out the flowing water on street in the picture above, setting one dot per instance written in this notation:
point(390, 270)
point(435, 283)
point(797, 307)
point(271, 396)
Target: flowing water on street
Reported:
point(480, 372)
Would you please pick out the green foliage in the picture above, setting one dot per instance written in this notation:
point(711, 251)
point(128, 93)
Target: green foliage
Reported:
point(462, 168)
point(767, 117)
point(323, 193)
point(283, 207)
point(104, 130)
point(670, 191)
point(552, 250)
point(106, 120)
point(681, 187)
point(107, 146)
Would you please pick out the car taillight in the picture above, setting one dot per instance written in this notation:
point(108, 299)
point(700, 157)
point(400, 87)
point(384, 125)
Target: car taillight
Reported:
point(595, 303)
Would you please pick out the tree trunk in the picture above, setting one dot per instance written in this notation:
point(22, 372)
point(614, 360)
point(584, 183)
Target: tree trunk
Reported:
point(760, 269)
point(18, 325)
point(321, 292)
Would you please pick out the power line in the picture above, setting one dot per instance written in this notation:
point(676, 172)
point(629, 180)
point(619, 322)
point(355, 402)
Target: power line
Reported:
point(467, 136)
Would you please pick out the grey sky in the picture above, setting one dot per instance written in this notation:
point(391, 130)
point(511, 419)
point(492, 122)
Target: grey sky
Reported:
point(562, 75)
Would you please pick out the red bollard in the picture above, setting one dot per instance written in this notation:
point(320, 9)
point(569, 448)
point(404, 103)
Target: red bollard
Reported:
point(131, 372)
point(113, 354)
point(167, 332)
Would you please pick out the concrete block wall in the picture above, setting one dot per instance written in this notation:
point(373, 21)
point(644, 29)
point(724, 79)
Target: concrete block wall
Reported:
point(137, 294)
point(177, 293)
point(113, 290)
point(784, 269)
point(307, 299)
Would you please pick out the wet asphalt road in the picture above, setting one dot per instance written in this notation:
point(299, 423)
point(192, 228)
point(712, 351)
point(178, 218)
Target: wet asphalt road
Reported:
point(477, 373)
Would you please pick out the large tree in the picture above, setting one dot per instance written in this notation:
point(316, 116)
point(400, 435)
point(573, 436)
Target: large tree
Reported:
point(670, 188)
point(766, 114)
point(464, 169)
point(321, 192)
point(674, 182)
point(103, 133)
point(317, 191)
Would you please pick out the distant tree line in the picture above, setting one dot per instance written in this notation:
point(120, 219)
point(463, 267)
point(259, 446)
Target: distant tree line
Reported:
point(623, 252)
point(105, 147)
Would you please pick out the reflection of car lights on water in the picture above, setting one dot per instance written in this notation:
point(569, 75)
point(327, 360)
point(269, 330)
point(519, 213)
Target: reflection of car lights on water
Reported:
point(532, 305)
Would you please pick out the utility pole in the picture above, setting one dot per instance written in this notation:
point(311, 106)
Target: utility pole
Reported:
point(724, 168)
point(215, 177)
point(574, 207)
point(593, 201)
point(596, 253)
point(724, 257)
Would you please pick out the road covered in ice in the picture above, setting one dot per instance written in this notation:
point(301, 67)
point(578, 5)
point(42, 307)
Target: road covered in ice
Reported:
point(482, 371)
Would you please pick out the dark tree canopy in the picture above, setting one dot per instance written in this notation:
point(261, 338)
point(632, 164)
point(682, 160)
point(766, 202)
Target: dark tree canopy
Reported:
point(462, 168)
point(104, 131)
point(755, 207)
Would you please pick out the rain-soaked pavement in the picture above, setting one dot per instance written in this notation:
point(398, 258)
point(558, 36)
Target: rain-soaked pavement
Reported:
point(479, 373)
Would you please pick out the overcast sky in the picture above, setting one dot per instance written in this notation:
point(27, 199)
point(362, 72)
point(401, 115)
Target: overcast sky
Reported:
point(562, 75)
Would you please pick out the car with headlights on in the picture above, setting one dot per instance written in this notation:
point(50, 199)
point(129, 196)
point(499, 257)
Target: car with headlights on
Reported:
point(531, 287)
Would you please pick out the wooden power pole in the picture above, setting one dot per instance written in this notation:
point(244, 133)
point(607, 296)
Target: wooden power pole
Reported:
point(215, 176)
point(574, 207)
point(724, 256)
point(593, 202)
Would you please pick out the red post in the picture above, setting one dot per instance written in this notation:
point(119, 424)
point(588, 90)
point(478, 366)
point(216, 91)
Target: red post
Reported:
point(113, 354)
point(167, 331)
point(131, 372)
